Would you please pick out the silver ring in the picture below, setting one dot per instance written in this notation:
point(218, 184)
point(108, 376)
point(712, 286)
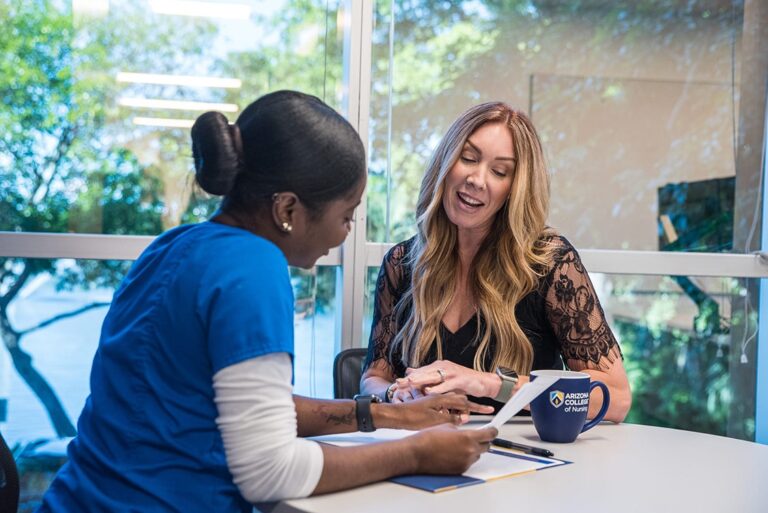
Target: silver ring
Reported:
point(442, 375)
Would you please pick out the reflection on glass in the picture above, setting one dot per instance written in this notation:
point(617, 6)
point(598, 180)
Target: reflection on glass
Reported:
point(628, 98)
point(315, 329)
point(688, 346)
point(97, 114)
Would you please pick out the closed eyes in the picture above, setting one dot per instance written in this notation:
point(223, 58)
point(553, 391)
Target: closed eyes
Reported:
point(471, 159)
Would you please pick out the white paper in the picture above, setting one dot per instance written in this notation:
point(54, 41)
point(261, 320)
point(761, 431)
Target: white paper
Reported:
point(493, 465)
point(523, 397)
point(359, 438)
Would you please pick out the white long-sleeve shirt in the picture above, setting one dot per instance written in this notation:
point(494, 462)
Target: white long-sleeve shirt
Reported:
point(257, 421)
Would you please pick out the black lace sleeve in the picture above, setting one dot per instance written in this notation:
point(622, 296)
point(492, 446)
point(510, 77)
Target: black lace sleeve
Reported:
point(392, 283)
point(575, 314)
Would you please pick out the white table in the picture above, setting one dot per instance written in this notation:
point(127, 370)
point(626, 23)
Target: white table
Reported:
point(616, 468)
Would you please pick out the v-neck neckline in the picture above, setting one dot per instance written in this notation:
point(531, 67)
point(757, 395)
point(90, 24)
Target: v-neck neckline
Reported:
point(461, 328)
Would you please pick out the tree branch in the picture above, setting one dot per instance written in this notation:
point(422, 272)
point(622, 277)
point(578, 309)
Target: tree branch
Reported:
point(57, 318)
point(66, 138)
point(22, 361)
point(3, 275)
point(15, 288)
point(19, 156)
point(42, 389)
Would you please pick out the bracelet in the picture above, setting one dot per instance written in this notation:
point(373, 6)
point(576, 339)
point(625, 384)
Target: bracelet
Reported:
point(390, 392)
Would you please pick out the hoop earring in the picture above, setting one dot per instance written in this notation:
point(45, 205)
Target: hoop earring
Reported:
point(287, 228)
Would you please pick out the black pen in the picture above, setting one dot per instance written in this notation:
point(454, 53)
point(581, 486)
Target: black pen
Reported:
point(538, 451)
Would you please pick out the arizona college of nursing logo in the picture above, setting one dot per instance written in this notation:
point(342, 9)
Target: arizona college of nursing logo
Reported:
point(556, 398)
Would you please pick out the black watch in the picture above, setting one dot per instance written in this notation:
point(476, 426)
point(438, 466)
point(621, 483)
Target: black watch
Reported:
point(363, 411)
point(509, 379)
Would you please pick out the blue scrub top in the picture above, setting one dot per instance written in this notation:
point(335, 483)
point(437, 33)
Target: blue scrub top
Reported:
point(200, 298)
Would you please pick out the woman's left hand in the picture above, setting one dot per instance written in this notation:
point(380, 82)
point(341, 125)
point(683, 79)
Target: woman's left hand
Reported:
point(442, 376)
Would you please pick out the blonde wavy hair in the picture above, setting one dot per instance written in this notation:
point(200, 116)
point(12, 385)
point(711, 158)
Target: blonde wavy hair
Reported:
point(509, 264)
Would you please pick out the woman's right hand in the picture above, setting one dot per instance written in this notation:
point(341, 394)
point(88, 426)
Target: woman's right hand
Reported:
point(402, 392)
point(445, 449)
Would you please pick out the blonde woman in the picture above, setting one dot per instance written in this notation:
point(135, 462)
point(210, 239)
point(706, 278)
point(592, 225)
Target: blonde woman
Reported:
point(486, 291)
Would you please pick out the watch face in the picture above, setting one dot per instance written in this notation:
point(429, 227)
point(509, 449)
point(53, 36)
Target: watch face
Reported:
point(505, 372)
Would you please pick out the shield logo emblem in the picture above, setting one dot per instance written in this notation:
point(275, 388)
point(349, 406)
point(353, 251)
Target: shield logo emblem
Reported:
point(556, 398)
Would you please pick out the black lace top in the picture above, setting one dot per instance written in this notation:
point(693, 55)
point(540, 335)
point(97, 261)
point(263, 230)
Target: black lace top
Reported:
point(562, 318)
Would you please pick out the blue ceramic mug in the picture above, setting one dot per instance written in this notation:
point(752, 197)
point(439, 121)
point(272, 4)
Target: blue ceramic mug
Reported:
point(560, 412)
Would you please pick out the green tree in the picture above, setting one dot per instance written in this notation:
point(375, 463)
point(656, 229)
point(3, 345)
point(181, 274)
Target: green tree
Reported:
point(63, 164)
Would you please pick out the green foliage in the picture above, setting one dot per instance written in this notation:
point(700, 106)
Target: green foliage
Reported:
point(314, 290)
point(307, 55)
point(679, 379)
point(63, 165)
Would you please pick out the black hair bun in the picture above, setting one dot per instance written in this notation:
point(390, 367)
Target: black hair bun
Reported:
point(218, 159)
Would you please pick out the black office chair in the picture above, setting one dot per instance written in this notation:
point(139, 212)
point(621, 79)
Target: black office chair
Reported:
point(9, 480)
point(347, 369)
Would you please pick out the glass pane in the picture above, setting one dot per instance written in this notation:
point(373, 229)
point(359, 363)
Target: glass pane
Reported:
point(51, 330)
point(316, 329)
point(96, 114)
point(689, 348)
point(688, 344)
point(371, 275)
point(639, 101)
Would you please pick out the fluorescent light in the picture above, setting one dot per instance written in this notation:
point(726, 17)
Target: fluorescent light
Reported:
point(96, 8)
point(182, 80)
point(166, 122)
point(201, 9)
point(176, 104)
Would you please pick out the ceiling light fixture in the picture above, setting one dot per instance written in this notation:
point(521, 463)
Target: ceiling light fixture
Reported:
point(230, 11)
point(181, 80)
point(147, 103)
point(164, 122)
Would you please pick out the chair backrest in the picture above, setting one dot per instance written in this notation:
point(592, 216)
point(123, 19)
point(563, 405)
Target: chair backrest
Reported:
point(9, 480)
point(347, 369)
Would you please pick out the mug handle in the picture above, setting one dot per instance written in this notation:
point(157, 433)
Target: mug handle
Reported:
point(606, 401)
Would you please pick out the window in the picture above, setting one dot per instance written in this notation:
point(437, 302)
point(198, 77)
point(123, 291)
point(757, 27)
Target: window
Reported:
point(96, 161)
point(640, 110)
point(647, 113)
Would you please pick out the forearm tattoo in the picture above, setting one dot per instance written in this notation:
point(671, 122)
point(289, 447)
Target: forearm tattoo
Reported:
point(330, 414)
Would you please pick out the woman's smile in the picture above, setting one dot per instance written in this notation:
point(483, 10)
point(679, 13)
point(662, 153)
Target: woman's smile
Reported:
point(470, 203)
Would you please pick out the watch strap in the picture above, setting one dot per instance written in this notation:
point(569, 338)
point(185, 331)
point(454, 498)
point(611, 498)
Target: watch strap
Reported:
point(507, 387)
point(363, 413)
point(505, 392)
